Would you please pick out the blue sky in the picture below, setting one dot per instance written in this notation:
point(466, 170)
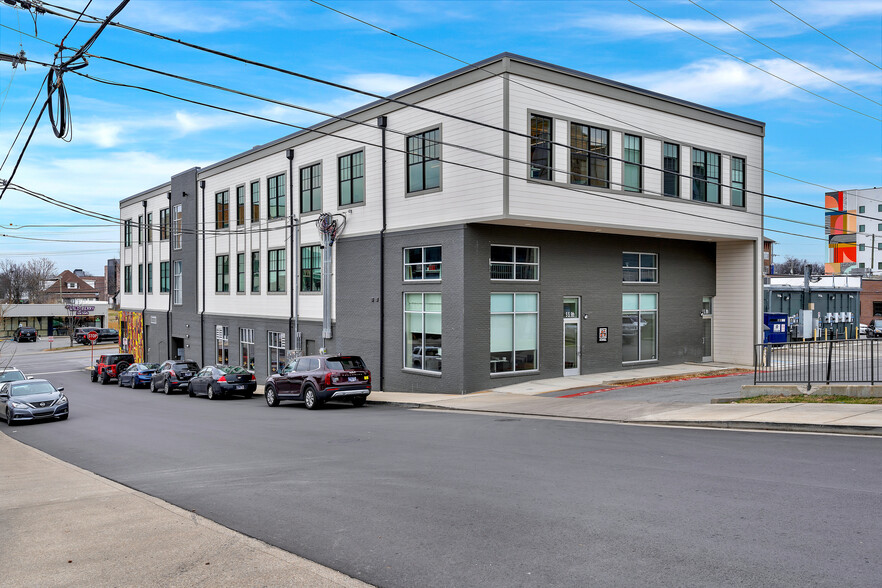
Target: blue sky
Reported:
point(125, 141)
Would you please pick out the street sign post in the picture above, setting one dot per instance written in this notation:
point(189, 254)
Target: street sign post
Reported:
point(92, 336)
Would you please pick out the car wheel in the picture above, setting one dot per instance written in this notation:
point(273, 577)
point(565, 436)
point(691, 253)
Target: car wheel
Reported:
point(358, 400)
point(134, 382)
point(104, 379)
point(190, 392)
point(9, 419)
point(310, 399)
point(63, 417)
point(94, 376)
point(166, 388)
point(119, 381)
point(270, 396)
point(212, 395)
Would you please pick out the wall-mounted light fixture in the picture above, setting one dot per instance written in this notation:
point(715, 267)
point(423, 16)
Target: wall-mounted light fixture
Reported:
point(202, 184)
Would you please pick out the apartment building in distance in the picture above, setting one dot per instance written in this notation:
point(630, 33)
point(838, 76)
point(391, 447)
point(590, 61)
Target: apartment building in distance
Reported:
point(507, 221)
point(853, 223)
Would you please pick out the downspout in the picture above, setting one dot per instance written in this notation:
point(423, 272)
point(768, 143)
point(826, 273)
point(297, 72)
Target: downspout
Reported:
point(202, 310)
point(382, 122)
point(292, 298)
point(171, 264)
point(143, 238)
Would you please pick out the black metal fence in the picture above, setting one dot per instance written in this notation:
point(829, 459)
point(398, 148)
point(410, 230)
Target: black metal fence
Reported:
point(814, 362)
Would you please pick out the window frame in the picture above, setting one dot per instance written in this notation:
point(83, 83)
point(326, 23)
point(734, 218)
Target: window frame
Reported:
point(140, 229)
point(639, 267)
point(422, 263)
point(255, 201)
point(222, 209)
point(514, 313)
point(514, 263)
point(424, 161)
point(164, 223)
point(668, 172)
point(240, 272)
point(177, 282)
point(150, 277)
point(587, 155)
point(630, 165)
point(704, 180)
point(140, 278)
point(148, 228)
point(275, 340)
point(240, 205)
point(737, 186)
point(127, 232)
point(255, 272)
point(164, 277)
point(222, 345)
point(246, 348)
point(409, 345)
point(538, 143)
point(279, 273)
point(178, 227)
point(639, 312)
point(222, 274)
point(304, 278)
point(277, 201)
point(127, 279)
point(351, 179)
point(313, 189)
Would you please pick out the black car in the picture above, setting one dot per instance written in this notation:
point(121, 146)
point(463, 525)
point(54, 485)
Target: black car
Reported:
point(104, 335)
point(31, 400)
point(137, 374)
point(216, 381)
point(174, 374)
point(317, 379)
point(25, 334)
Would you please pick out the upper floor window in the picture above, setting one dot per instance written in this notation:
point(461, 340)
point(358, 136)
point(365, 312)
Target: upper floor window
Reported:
point(589, 156)
point(240, 205)
point(351, 178)
point(255, 271)
point(178, 226)
point(275, 189)
point(240, 272)
point(311, 268)
point(671, 180)
point(640, 267)
point(705, 176)
point(255, 201)
point(276, 270)
point(222, 209)
point(127, 279)
point(150, 278)
point(633, 156)
point(540, 147)
point(424, 161)
point(222, 273)
point(164, 277)
point(311, 188)
point(508, 262)
point(862, 209)
point(422, 263)
point(738, 182)
point(140, 227)
point(127, 233)
point(164, 224)
point(149, 227)
point(178, 283)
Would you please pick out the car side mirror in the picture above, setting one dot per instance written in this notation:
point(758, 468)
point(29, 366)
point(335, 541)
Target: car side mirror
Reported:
point(30, 377)
point(61, 389)
point(4, 395)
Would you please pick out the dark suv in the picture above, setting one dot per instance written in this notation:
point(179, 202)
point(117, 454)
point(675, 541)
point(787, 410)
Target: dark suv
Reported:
point(104, 335)
point(317, 379)
point(25, 334)
point(108, 367)
point(174, 374)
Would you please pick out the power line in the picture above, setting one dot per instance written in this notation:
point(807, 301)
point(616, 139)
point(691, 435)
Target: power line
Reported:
point(54, 240)
point(805, 67)
point(389, 99)
point(765, 71)
point(825, 34)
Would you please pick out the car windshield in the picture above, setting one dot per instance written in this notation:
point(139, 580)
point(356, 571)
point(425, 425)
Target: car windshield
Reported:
point(28, 388)
point(186, 366)
point(234, 369)
point(345, 363)
point(11, 376)
point(27, 331)
point(148, 366)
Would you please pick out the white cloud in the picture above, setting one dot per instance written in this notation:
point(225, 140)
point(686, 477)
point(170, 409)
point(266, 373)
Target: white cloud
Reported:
point(627, 26)
point(382, 83)
point(724, 81)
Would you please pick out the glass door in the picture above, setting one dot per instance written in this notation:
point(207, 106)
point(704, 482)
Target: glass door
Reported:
point(571, 337)
point(707, 315)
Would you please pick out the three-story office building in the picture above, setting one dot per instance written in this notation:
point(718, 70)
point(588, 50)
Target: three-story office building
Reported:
point(510, 220)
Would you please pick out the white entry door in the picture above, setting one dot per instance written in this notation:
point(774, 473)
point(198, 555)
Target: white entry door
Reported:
point(571, 336)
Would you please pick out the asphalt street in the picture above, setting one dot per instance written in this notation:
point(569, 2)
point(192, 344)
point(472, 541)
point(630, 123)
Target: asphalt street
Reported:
point(402, 497)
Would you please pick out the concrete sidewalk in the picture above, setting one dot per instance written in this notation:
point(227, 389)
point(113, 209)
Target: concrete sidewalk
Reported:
point(64, 526)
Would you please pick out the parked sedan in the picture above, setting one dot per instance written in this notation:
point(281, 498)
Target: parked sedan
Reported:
point(137, 374)
point(317, 379)
point(174, 374)
point(31, 400)
point(12, 374)
point(216, 381)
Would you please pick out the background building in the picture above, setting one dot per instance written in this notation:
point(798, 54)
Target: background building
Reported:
point(489, 217)
point(853, 223)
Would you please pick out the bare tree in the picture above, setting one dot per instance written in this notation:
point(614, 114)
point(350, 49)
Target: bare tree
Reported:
point(795, 266)
point(13, 283)
point(37, 273)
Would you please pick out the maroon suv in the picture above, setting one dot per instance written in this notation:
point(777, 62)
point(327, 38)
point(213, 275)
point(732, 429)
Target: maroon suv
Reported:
point(316, 379)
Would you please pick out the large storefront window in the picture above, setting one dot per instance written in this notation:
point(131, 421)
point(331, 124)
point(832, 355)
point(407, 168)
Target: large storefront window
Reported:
point(222, 338)
point(514, 321)
point(422, 331)
point(275, 345)
point(639, 327)
point(246, 348)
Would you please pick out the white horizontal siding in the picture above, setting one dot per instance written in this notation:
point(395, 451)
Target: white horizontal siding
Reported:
point(738, 302)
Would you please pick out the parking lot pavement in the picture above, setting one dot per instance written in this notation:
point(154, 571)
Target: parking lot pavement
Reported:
point(64, 526)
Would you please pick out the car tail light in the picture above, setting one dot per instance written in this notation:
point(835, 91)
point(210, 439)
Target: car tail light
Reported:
point(172, 373)
point(253, 377)
point(222, 379)
point(368, 377)
point(328, 379)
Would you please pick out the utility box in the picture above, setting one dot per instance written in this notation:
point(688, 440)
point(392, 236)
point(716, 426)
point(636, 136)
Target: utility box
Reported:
point(805, 325)
point(777, 327)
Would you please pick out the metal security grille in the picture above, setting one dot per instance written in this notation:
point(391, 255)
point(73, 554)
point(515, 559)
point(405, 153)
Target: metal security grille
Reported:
point(812, 362)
